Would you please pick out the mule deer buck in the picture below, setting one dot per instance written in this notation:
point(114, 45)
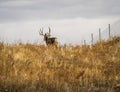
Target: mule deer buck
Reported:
point(48, 39)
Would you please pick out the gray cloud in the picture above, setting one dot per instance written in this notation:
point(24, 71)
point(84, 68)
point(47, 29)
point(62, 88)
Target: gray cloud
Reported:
point(11, 10)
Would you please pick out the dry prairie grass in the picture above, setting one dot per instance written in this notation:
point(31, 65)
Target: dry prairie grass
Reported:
point(33, 68)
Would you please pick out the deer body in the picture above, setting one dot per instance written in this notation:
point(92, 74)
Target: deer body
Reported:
point(49, 40)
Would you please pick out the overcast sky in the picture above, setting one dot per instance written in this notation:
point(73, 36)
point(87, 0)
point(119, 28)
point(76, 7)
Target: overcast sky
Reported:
point(71, 21)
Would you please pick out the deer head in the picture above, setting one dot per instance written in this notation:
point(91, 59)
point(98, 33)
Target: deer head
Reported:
point(46, 35)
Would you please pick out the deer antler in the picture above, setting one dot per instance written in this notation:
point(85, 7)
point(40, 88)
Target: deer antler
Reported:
point(49, 32)
point(41, 31)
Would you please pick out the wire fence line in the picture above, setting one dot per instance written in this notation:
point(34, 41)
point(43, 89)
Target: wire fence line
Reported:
point(108, 33)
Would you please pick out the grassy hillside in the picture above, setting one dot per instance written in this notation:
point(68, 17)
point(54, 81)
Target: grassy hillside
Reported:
point(33, 68)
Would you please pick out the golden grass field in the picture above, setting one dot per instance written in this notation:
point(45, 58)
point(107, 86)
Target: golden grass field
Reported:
point(37, 68)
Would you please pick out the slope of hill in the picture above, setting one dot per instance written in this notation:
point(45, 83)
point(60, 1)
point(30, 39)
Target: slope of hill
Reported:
point(33, 68)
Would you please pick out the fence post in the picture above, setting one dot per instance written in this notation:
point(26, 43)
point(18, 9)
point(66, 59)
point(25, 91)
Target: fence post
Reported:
point(109, 30)
point(99, 34)
point(92, 38)
point(84, 42)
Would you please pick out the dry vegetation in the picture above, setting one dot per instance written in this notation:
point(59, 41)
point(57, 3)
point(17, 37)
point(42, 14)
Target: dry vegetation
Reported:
point(36, 68)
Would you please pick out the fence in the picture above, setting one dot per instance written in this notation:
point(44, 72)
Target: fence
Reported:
point(110, 31)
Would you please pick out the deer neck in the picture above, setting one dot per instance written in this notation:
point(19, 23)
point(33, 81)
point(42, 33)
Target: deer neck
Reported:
point(46, 38)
